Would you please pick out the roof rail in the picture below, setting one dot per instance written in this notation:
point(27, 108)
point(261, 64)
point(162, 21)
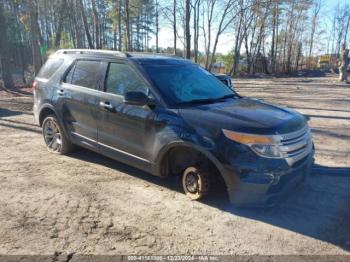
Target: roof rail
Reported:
point(91, 51)
point(130, 54)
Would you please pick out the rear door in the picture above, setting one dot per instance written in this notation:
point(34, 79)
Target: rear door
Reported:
point(77, 100)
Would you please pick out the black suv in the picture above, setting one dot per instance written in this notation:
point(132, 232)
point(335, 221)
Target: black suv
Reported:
point(168, 116)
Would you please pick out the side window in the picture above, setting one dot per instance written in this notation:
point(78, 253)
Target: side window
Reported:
point(69, 76)
point(50, 68)
point(121, 78)
point(85, 73)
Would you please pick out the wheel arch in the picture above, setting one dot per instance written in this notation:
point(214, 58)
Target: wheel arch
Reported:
point(164, 152)
point(46, 110)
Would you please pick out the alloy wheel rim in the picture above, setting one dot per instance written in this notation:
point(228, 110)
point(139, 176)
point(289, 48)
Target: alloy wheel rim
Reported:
point(52, 136)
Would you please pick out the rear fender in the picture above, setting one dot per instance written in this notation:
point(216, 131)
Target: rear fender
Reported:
point(58, 116)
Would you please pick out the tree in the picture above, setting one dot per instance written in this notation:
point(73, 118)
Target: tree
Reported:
point(344, 59)
point(174, 26)
point(35, 35)
point(188, 29)
point(96, 25)
point(127, 25)
point(316, 7)
point(62, 16)
point(228, 15)
point(120, 25)
point(208, 12)
point(196, 15)
point(5, 60)
point(157, 26)
point(86, 26)
point(245, 20)
point(272, 36)
point(274, 39)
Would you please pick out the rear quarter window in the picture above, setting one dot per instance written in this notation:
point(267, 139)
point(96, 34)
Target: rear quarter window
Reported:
point(50, 67)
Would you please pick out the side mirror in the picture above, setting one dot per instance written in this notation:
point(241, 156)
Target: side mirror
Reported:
point(137, 98)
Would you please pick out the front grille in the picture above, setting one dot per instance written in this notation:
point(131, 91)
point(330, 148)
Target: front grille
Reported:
point(297, 145)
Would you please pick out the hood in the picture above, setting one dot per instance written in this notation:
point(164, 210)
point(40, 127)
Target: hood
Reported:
point(243, 115)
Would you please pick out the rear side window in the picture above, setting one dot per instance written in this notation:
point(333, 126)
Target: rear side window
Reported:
point(121, 78)
point(50, 68)
point(85, 74)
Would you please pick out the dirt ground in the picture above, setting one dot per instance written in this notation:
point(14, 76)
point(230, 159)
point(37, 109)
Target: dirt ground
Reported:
point(88, 204)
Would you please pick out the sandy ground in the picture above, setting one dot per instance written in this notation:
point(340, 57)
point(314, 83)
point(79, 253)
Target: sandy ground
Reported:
point(88, 204)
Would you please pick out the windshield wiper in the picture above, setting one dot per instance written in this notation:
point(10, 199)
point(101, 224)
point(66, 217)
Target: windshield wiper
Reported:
point(226, 96)
point(207, 100)
point(198, 101)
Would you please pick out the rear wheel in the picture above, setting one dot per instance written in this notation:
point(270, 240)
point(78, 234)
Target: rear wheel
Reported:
point(55, 140)
point(195, 183)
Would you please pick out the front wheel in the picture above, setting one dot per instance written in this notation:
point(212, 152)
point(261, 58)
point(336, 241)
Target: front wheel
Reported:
point(55, 140)
point(195, 182)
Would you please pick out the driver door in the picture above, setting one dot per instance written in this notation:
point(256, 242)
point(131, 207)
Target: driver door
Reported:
point(125, 132)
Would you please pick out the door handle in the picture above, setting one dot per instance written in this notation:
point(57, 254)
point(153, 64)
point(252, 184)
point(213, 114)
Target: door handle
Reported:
point(60, 92)
point(106, 105)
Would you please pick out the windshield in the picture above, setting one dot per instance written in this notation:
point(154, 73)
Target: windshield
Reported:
point(187, 83)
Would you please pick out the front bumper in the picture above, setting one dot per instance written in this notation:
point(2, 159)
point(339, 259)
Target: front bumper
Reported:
point(266, 189)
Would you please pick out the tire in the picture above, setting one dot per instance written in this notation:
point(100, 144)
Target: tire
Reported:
point(54, 137)
point(195, 183)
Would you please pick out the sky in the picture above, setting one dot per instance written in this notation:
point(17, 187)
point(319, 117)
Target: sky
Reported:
point(226, 40)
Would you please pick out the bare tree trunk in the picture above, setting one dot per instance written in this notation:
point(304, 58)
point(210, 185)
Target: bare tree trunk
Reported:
point(298, 56)
point(196, 29)
point(5, 61)
point(120, 25)
point(76, 26)
point(35, 36)
point(137, 44)
point(247, 53)
point(86, 26)
point(316, 10)
point(157, 27)
point(221, 28)
point(275, 67)
point(115, 39)
point(210, 10)
point(188, 29)
point(174, 26)
point(346, 30)
point(344, 58)
point(260, 40)
point(274, 21)
point(62, 16)
point(96, 25)
point(284, 48)
point(127, 26)
point(237, 48)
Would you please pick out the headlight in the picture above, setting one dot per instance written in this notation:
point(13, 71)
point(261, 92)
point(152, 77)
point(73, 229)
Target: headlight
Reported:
point(267, 150)
point(265, 146)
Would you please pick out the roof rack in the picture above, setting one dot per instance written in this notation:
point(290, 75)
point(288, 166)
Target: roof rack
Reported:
point(131, 54)
point(114, 53)
point(91, 51)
